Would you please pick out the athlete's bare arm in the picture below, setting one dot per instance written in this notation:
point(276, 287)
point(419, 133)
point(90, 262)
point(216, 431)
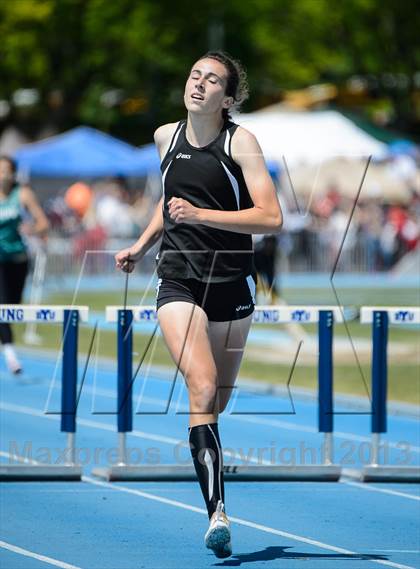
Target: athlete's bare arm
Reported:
point(39, 224)
point(266, 215)
point(126, 258)
point(163, 136)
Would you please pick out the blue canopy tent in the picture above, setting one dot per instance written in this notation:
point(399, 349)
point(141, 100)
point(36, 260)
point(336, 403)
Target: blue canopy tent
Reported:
point(273, 168)
point(402, 146)
point(149, 157)
point(84, 152)
point(81, 152)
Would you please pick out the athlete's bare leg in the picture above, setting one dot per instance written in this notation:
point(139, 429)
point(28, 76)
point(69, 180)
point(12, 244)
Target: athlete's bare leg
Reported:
point(228, 341)
point(185, 328)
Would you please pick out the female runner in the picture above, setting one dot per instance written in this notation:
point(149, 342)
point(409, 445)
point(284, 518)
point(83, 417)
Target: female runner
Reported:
point(216, 193)
point(14, 261)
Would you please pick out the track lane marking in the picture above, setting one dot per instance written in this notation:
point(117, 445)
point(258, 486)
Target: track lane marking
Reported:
point(371, 488)
point(44, 558)
point(240, 521)
point(255, 420)
point(11, 407)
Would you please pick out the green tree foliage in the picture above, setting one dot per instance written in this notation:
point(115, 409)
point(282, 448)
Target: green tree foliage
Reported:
point(121, 65)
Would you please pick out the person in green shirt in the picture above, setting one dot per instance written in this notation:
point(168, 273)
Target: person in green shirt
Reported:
point(14, 198)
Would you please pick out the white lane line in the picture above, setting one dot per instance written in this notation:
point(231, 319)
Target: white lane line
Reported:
point(44, 558)
point(371, 488)
point(256, 420)
point(307, 429)
point(162, 439)
point(17, 458)
point(239, 521)
point(277, 423)
point(11, 407)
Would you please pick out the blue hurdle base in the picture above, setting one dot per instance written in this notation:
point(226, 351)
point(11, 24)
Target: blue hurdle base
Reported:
point(41, 472)
point(234, 473)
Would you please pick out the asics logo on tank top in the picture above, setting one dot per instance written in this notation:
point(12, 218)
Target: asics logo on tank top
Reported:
point(185, 156)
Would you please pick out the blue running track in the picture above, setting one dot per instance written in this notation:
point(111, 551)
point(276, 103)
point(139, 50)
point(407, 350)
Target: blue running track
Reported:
point(99, 525)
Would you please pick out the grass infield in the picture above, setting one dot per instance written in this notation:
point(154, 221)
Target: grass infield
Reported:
point(403, 372)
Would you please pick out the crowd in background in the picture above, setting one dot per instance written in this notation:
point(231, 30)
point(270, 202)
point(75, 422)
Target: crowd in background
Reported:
point(378, 235)
point(108, 209)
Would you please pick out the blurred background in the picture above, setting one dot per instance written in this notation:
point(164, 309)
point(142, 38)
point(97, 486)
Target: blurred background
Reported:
point(326, 93)
point(335, 87)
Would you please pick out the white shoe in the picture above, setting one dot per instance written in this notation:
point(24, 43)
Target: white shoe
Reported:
point(11, 358)
point(217, 537)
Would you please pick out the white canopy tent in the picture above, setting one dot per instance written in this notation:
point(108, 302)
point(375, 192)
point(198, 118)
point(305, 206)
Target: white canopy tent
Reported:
point(307, 138)
point(346, 175)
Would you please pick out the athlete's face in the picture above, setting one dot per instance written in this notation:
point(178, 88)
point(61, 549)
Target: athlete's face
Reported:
point(205, 88)
point(6, 175)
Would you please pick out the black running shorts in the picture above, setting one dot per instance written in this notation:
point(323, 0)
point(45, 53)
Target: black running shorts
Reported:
point(220, 301)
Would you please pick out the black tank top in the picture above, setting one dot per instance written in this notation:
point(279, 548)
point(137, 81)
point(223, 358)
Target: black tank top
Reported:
point(208, 178)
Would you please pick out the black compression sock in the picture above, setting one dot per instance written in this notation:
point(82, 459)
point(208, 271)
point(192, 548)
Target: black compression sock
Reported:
point(207, 455)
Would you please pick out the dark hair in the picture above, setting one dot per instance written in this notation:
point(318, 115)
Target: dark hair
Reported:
point(12, 162)
point(237, 82)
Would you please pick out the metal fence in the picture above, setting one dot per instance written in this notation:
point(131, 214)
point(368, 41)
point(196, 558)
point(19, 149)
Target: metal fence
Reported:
point(296, 253)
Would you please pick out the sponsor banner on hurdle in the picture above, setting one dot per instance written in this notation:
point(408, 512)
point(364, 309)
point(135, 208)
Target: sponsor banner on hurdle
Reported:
point(39, 313)
point(262, 314)
point(396, 314)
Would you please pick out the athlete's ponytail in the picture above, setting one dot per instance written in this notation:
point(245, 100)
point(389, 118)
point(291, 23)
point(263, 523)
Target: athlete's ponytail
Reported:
point(237, 82)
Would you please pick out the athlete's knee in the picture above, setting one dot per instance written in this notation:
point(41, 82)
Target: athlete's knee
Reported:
point(202, 391)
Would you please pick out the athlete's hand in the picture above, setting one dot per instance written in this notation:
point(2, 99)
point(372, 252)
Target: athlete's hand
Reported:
point(182, 211)
point(27, 229)
point(126, 260)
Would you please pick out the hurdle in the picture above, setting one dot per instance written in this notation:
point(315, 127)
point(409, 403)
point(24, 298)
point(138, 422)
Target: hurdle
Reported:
point(327, 471)
point(380, 317)
point(70, 317)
